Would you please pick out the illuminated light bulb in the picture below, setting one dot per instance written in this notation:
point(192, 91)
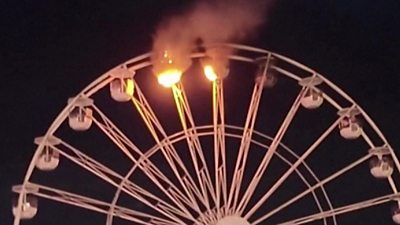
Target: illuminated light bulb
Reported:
point(210, 73)
point(169, 77)
point(130, 87)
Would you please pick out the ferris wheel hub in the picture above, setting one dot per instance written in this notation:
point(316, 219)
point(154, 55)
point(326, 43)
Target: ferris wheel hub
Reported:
point(233, 220)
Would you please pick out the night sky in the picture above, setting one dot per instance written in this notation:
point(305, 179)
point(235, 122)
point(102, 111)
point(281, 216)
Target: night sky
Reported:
point(50, 50)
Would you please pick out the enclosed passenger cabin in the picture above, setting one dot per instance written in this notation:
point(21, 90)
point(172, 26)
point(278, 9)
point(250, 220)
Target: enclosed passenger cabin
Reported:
point(381, 167)
point(396, 215)
point(312, 97)
point(215, 66)
point(349, 126)
point(122, 86)
point(49, 158)
point(269, 74)
point(28, 209)
point(270, 79)
point(80, 115)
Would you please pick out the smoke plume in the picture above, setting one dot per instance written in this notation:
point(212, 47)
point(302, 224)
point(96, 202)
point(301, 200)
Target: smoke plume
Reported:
point(210, 21)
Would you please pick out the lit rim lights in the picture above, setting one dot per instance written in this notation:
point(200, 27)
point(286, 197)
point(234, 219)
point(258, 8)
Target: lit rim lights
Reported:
point(169, 77)
point(210, 73)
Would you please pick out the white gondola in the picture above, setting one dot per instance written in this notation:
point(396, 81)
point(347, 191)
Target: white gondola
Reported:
point(270, 80)
point(214, 69)
point(122, 87)
point(271, 77)
point(312, 99)
point(80, 116)
point(28, 209)
point(381, 167)
point(49, 158)
point(396, 215)
point(350, 128)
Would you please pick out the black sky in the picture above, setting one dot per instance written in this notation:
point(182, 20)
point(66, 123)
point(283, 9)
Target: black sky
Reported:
point(50, 50)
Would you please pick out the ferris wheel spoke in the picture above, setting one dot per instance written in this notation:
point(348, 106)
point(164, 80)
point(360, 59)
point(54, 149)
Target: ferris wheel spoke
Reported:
point(394, 157)
point(246, 139)
point(320, 184)
point(174, 160)
point(368, 140)
point(219, 142)
point(116, 179)
point(342, 209)
point(91, 204)
point(278, 183)
point(193, 142)
point(392, 184)
point(145, 164)
point(270, 152)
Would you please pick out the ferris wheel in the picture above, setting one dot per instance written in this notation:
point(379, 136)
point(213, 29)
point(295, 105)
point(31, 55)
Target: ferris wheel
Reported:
point(257, 139)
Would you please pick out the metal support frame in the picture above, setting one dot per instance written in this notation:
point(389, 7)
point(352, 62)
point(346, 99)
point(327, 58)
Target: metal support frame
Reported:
point(189, 195)
point(194, 145)
point(93, 204)
point(247, 135)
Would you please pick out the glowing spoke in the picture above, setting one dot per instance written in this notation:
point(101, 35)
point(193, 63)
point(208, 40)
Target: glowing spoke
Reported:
point(342, 209)
point(270, 152)
point(193, 142)
point(92, 204)
point(167, 148)
point(313, 188)
point(219, 142)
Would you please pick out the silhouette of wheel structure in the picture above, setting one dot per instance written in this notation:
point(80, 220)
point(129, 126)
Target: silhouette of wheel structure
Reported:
point(249, 137)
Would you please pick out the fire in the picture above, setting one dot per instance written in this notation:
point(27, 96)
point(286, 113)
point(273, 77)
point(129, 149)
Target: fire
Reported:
point(169, 65)
point(130, 87)
point(169, 77)
point(210, 72)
